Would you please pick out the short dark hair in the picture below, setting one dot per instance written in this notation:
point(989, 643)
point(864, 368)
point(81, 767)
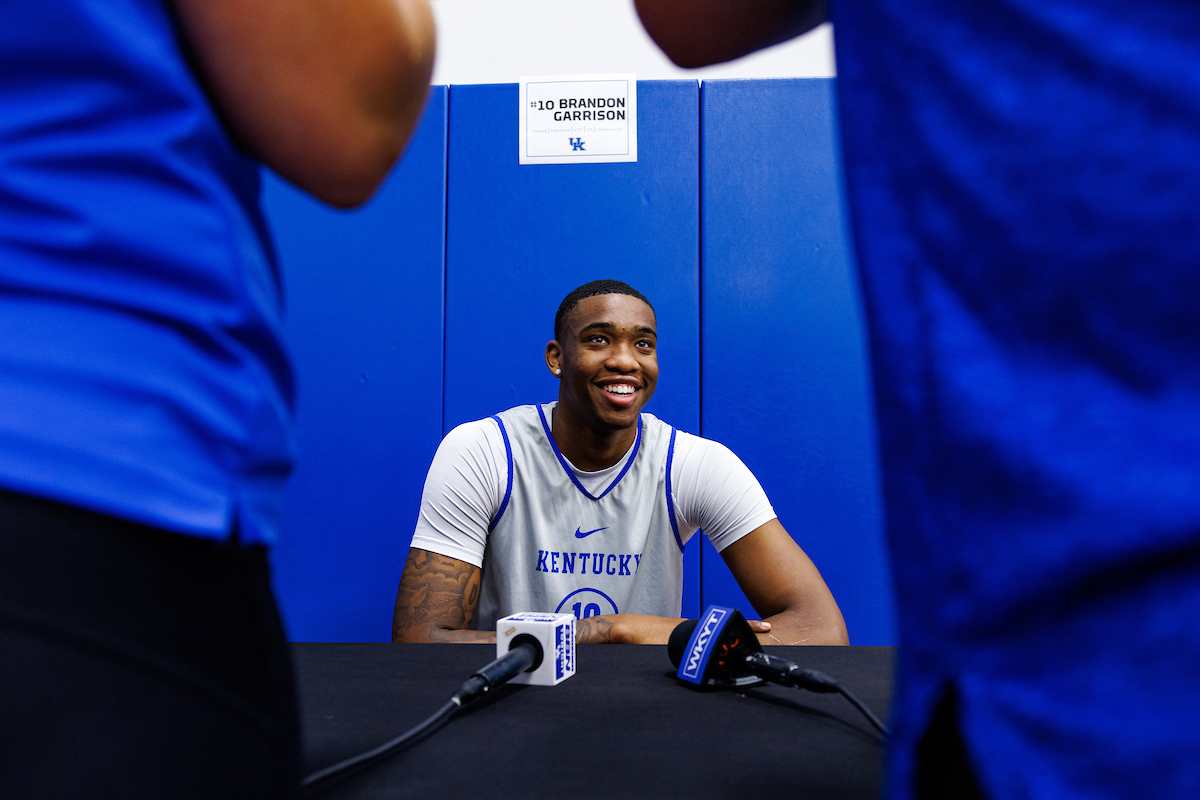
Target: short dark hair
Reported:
point(605, 286)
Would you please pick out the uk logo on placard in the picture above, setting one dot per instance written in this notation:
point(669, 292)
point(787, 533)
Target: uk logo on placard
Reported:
point(578, 119)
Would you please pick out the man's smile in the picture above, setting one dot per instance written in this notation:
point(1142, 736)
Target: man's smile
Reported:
point(621, 390)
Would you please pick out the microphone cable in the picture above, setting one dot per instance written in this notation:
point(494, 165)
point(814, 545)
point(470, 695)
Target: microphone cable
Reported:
point(866, 712)
point(525, 655)
point(736, 652)
point(782, 671)
point(322, 779)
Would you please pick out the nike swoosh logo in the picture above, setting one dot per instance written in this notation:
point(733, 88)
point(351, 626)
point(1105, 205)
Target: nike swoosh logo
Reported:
point(580, 534)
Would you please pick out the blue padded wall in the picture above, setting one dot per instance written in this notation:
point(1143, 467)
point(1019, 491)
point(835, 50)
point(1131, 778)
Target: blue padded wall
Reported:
point(785, 380)
point(783, 357)
point(364, 292)
point(519, 238)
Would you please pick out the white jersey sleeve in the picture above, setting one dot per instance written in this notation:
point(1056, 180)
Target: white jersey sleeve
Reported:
point(463, 491)
point(715, 492)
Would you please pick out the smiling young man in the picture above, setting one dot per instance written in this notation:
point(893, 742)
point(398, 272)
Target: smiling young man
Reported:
point(584, 506)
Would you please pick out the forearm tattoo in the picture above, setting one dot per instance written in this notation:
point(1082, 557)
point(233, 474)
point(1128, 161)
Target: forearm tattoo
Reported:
point(593, 630)
point(437, 596)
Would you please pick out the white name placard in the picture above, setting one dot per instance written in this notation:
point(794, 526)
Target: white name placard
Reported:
point(578, 119)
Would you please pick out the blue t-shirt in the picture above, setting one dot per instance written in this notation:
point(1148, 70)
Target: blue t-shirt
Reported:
point(1024, 179)
point(141, 369)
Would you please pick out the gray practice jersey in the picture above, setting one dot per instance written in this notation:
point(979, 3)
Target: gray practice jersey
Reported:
point(555, 547)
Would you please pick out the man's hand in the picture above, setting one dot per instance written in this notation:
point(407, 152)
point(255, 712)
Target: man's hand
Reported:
point(625, 629)
point(437, 598)
point(783, 585)
point(695, 33)
point(324, 92)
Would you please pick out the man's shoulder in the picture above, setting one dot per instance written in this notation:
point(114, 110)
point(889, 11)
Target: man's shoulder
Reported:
point(478, 435)
point(682, 436)
point(489, 423)
point(517, 412)
point(653, 423)
point(649, 421)
point(689, 451)
point(520, 421)
point(470, 430)
point(696, 449)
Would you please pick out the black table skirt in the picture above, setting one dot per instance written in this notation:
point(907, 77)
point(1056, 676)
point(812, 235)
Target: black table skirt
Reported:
point(621, 727)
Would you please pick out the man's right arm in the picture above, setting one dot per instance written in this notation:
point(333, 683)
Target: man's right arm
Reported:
point(324, 92)
point(439, 593)
point(437, 599)
point(695, 33)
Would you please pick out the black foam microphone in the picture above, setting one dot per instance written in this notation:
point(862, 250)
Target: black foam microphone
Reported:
point(710, 652)
point(720, 650)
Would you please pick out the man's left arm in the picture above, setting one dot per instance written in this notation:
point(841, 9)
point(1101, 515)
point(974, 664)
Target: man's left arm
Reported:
point(785, 588)
point(637, 629)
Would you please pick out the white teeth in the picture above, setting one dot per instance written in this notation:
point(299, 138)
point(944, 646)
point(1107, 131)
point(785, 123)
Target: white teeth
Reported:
point(620, 388)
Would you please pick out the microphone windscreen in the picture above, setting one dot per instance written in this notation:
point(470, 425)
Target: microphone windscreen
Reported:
point(556, 635)
point(679, 639)
point(713, 649)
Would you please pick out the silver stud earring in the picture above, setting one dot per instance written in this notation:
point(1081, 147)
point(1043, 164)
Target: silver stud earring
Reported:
point(557, 371)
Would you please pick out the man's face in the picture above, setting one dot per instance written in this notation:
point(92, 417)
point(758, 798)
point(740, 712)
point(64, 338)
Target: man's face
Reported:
point(609, 360)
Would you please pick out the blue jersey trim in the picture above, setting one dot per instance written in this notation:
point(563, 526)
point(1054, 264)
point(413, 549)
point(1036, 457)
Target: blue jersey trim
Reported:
point(670, 495)
point(571, 473)
point(507, 489)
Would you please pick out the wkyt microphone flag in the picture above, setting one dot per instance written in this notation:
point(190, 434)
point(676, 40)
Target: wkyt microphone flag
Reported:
point(717, 646)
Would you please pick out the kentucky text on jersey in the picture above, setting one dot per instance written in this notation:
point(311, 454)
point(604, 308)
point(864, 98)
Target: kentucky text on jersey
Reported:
point(600, 563)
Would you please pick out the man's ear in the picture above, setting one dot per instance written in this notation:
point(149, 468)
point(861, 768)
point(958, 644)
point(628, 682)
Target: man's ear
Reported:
point(554, 358)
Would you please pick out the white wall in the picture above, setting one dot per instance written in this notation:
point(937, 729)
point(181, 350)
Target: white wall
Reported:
point(496, 41)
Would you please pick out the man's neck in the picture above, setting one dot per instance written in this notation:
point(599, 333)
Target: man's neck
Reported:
point(584, 446)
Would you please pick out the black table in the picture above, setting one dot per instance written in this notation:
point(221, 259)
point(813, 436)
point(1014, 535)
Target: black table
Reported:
point(621, 727)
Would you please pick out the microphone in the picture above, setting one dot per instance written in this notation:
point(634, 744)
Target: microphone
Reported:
point(525, 654)
point(522, 643)
point(710, 652)
point(723, 651)
point(720, 650)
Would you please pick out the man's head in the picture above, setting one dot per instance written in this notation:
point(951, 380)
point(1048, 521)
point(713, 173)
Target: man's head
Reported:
point(605, 354)
point(604, 286)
